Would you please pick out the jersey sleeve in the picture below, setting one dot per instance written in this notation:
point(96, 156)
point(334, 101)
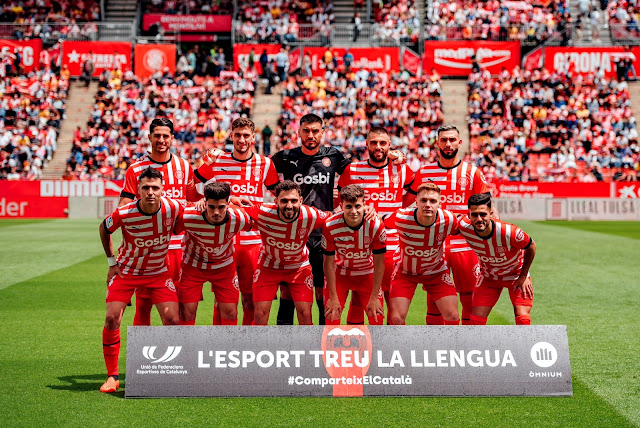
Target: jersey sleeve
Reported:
point(343, 162)
point(390, 222)
point(272, 178)
point(379, 243)
point(417, 181)
point(479, 183)
point(455, 225)
point(410, 177)
point(328, 244)
point(520, 239)
point(130, 189)
point(252, 212)
point(248, 221)
point(179, 227)
point(345, 177)
point(278, 161)
point(322, 217)
point(204, 173)
point(113, 222)
point(192, 192)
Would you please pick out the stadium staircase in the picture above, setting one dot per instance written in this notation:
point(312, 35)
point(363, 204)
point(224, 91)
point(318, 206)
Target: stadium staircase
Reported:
point(79, 103)
point(343, 11)
point(454, 103)
point(266, 108)
point(120, 10)
point(634, 94)
point(585, 36)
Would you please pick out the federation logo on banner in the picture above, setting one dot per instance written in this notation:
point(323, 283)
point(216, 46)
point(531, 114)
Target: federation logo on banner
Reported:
point(544, 354)
point(347, 354)
point(171, 353)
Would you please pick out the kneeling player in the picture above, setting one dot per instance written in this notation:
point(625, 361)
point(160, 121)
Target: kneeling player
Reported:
point(354, 258)
point(208, 254)
point(146, 232)
point(423, 231)
point(505, 252)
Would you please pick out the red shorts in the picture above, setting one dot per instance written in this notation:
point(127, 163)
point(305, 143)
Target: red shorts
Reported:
point(299, 281)
point(159, 288)
point(437, 286)
point(488, 292)
point(389, 265)
point(465, 268)
point(361, 286)
point(224, 284)
point(173, 262)
point(245, 258)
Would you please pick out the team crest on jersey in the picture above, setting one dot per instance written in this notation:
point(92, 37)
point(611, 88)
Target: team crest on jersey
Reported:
point(446, 278)
point(395, 179)
point(229, 236)
point(440, 237)
point(109, 222)
point(326, 162)
point(500, 249)
point(464, 182)
point(169, 284)
point(367, 241)
point(179, 175)
point(236, 283)
point(383, 236)
point(302, 231)
point(256, 274)
point(323, 214)
point(256, 173)
point(519, 235)
point(168, 222)
point(309, 282)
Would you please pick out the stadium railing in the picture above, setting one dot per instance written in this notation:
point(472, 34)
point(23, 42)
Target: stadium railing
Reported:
point(622, 34)
point(53, 32)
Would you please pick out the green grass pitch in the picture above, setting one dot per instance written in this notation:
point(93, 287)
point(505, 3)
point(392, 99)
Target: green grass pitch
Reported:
point(52, 288)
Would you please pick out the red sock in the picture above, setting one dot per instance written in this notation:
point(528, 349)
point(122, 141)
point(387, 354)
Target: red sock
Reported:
point(356, 313)
point(111, 350)
point(192, 322)
point(225, 321)
point(434, 317)
point(331, 322)
point(217, 319)
point(523, 320)
point(477, 320)
point(143, 311)
point(247, 316)
point(466, 300)
point(456, 322)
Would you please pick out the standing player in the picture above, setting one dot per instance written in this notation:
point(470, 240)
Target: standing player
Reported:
point(384, 185)
point(208, 254)
point(141, 264)
point(284, 229)
point(457, 181)
point(506, 253)
point(247, 173)
point(354, 258)
point(178, 184)
point(422, 232)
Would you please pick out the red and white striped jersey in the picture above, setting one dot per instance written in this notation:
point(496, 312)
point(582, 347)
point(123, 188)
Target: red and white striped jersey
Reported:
point(500, 254)
point(247, 178)
point(383, 188)
point(206, 245)
point(353, 248)
point(421, 249)
point(178, 183)
point(284, 244)
point(145, 237)
point(456, 184)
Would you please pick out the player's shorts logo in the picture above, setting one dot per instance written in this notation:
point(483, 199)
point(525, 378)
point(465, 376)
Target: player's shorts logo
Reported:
point(309, 282)
point(169, 284)
point(302, 231)
point(446, 278)
point(236, 283)
point(256, 274)
point(109, 222)
point(519, 235)
point(179, 175)
point(544, 354)
point(168, 222)
point(464, 182)
point(326, 162)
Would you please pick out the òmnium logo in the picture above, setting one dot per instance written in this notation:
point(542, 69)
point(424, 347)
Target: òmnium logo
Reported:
point(172, 353)
point(544, 354)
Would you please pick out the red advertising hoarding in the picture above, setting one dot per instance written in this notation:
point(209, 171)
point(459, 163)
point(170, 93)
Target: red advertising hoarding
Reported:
point(586, 60)
point(454, 58)
point(411, 61)
point(21, 199)
point(105, 55)
point(539, 189)
point(241, 55)
point(29, 51)
point(188, 23)
point(295, 59)
point(150, 58)
point(373, 59)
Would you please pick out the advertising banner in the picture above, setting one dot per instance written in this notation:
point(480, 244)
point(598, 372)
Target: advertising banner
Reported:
point(105, 55)
point(348, 361)
point(295, 59)
point(454, 58)
point(241, 55)
point(21, 199)
point(381, 60)
point(587, 59)
point(522, 209)
point(29, 51)
point(150, 58)
point(188, 23)
point(626, 190)
point(411, 61)
point(539, 189)
point(602, 209)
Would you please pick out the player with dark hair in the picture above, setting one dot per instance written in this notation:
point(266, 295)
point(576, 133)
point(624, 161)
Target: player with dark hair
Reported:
point(385, 185)
point(247, 173)
point(178, 184)
point(506, 253)
point(354, 258)
point(284, 227)
point(457, 180)
point(420, 259)
point(209, 254)
point(146, 226)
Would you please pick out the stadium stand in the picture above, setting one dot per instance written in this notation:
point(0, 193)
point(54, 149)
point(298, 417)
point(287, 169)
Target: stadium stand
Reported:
point(552, 126)
point(352, 102)
point(31, 109)
point(201, 108)
point(188, 7)
point(399, 19)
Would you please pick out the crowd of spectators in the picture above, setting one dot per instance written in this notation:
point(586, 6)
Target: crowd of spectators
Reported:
point(50, 20)
point(352, 102)
point(201, 108)
point(528, 21)
point(188, 7)
point(399, 20)
point(278, 21)
point(624, 18)
point(31, 109)
point(552, 126)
